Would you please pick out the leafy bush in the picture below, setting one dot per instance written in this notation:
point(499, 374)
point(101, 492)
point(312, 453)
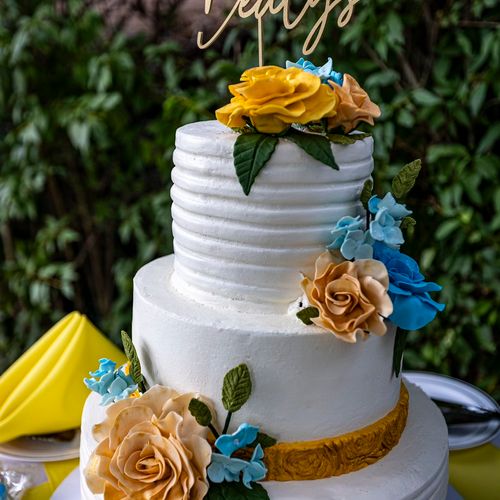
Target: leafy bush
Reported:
point(87, 123)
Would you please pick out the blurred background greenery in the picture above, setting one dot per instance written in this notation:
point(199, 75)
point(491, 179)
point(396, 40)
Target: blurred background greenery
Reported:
point(88, 113)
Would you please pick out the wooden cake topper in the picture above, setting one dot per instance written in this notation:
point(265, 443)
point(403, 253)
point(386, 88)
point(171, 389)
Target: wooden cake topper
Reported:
point(259, 8)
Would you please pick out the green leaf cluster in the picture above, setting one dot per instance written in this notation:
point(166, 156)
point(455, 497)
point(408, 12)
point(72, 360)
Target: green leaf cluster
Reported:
point(236, 491)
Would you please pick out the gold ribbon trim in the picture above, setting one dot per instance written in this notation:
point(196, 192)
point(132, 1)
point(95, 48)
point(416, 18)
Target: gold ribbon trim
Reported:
point(307, 460)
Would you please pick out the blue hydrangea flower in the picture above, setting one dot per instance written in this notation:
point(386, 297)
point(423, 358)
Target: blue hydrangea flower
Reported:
point(105, 366)
point(357, 245)
point(385, 228)
point(255, 470)
point(343, 226)
point(224, 468)
point(3, 491)
point(324, 72)
point(394, 209)
point(409, 292)
point(229, 443)
point(112, 385)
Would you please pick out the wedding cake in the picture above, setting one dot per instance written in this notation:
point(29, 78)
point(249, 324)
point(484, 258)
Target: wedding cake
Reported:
point(284, 282)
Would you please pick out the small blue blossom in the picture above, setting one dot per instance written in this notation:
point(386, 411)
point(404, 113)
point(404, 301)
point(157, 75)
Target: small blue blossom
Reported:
point(385, 228)
point(413, 306)
point(229, 443)
point(343, 226)
point(357, 245)
point(394, 209)
point(324, 72)
point(105, 366)
point(112, 385)
point(255, 469)
point(223, 468)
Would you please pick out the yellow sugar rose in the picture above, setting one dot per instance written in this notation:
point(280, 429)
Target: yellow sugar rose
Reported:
point(274, 98)
point(354, 106)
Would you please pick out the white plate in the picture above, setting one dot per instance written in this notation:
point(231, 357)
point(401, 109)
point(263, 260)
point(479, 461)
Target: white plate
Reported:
point(37, 450)
point(454, 390)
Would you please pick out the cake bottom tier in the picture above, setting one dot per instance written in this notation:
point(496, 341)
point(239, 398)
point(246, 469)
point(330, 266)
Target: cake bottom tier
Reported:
point(416, 469)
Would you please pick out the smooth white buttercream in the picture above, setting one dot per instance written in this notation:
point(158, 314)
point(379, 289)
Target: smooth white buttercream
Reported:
point(307, 383)
point(252, 249)
point(416, 469)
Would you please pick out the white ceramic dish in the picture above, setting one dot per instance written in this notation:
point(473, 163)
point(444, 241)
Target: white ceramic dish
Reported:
point(40, 450)
point(454, 390)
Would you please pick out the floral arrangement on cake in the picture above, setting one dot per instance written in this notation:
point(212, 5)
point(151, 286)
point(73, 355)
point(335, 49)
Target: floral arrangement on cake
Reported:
point(157, 443)
point(363, 279)
point(309, 105)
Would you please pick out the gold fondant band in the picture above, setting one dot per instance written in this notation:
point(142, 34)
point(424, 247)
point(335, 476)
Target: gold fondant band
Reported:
point(306, 460)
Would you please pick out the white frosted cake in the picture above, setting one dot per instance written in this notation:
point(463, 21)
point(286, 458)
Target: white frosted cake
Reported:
point(345, 424)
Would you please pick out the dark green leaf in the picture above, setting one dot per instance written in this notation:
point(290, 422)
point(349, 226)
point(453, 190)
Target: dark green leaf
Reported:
point(405, 180)
point(200, 411)
point(306, 314)
point(264, 440)
point(237, 388)
point(314, 145)
point(131, 353)
point(347, 139)
point(399, 347)
point(236, 491)
point(366, 193)
point(251, 152)
point(408, 222)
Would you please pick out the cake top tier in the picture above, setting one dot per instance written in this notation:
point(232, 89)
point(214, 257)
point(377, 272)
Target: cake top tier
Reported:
point(238, 250)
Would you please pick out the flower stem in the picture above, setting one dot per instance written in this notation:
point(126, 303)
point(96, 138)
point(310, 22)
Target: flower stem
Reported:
point(214, 431)
point(227, 422)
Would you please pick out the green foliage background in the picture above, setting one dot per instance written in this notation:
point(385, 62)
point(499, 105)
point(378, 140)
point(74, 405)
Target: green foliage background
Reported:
point(87, 124)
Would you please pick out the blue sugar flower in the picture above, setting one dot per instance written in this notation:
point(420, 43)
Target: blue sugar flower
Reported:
point(357, 245)
point(409, 292)
point(394, 209)
point(112, 385)
point(224, 468)
point(105, 366)
point(255, 469)
point(386, 229)
point(324, 72)
point(229, 443)
point(343, 226)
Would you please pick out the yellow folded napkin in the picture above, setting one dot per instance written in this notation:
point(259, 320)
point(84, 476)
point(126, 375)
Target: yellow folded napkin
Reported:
point(43, 391)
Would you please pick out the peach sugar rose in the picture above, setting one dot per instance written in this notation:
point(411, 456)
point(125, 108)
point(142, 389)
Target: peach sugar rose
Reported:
point(354, 106)
point(150, 448)
point(351, 297)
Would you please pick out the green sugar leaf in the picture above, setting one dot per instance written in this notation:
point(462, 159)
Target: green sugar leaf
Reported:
point(366, 193)
point(135, 364)
point(314, 145)
point(236, 491)
point(347, 139)
point(264, 440)
point(408, 222)
point(237, 388)
point(399, 347)
point(306, 314)
point(405, 180)
point(200, 411)
point(251, 152)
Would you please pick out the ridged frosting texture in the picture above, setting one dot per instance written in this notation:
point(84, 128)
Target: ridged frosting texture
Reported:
point(252, 249)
